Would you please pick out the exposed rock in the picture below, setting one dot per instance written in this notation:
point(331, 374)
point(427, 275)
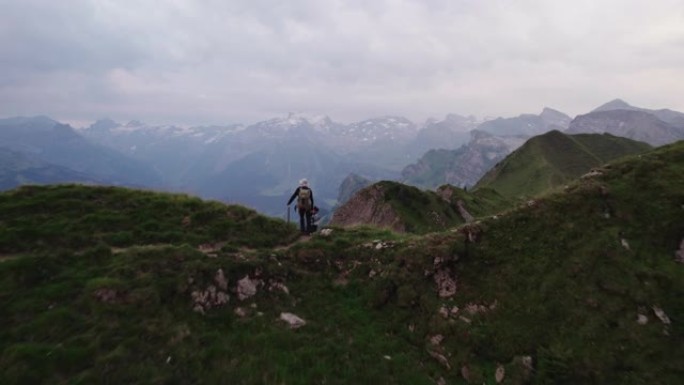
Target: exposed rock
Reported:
point(326, 232)
point(624, 243)
point(240, 312)
point(465, 373)
point(292, 320)
point(642, 319)
point(106, 295)
point(467, 217)
point(474, 309)
point(198, 309)
point(368, 207)
point(499, 374)
point(445, 192)
point(471, 231)
point(440, 358)
point(446, 285)
point(591, 174)
point(207, 299)
point(527, 362)
point(444, 312)
point(436, 339)
point(220, 280)
point(441, 381)
point(246, 288)
point(679, 254)
point(661, 315)
point(279, 286)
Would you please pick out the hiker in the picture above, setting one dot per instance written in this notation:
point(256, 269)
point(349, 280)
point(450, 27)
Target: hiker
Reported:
point(305, 203)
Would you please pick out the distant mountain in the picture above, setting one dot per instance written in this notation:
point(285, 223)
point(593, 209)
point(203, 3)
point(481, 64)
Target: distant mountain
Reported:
point(265, 179)
point(449, 134)
point(553, 159)
point(527, 124)
point(259, 164)
point(49, 141)
point(172, 151)
point(463, 166)
point(671, 117)
point(379, 141)
point(630, 123)
point(18, 169)
point(206, 160)
point(350, 186)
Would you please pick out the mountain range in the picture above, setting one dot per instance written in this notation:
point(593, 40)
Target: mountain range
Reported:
point(259, 165)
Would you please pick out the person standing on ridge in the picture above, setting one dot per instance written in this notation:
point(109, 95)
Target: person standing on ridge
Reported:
point(305, 204)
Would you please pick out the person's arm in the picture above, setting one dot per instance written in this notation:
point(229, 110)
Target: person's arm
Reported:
point(294, 195)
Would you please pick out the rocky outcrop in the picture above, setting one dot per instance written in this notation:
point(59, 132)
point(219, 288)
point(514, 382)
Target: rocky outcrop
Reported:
point(214, 295)
point(292, 320)
point(368, 207)
point(467, 217)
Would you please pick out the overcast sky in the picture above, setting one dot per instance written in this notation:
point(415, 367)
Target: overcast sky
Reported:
point(241, 61)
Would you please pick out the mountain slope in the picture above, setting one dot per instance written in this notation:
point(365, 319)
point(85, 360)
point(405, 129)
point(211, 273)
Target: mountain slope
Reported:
point(58, 144)
point(553, 159)
point(463, 166)
point(580, 287)
point(527, 124)
point(636, 125)
point(404, 208)
point(17, 169)
point(674, 118)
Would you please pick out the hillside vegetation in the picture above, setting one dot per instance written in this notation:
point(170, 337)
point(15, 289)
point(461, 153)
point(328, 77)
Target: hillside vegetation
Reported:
point(117, 286)
point(404, 208)
point(554, 159)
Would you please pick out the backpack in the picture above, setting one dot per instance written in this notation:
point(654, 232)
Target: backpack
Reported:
point(304, 199)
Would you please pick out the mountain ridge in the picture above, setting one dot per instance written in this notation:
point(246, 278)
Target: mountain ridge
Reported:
point(169, 282)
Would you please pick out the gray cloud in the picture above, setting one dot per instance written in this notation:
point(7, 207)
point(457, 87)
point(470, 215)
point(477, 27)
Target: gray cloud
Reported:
point(214, 61)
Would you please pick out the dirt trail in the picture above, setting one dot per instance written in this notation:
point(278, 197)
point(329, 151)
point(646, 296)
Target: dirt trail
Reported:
point(8, 257)
point(300, 239)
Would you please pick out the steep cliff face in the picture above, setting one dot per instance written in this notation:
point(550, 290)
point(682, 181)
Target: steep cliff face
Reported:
point(368, 207)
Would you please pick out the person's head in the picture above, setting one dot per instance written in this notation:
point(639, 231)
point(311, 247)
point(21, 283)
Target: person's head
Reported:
point(303, 183)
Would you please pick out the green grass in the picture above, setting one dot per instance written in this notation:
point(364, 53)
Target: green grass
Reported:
point(556, 283)
point(551, 160)
point(75, 217)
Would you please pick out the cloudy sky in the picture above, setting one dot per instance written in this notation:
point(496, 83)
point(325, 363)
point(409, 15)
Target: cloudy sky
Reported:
point(240, 61)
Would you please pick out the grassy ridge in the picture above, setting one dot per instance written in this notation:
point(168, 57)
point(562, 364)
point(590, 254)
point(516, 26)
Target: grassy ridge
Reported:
point(424, 211)
point(74, 217)
point(553, 159)
point(550, 292)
